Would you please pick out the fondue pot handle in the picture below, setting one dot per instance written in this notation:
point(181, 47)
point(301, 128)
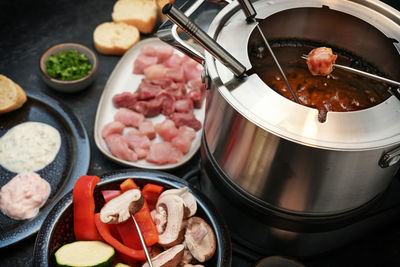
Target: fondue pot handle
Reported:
point(390, 158)
point(181, 19)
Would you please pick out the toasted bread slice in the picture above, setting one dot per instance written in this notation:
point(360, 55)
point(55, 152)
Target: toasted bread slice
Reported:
point(140, 13)
point(12, 96)
point(112, 38)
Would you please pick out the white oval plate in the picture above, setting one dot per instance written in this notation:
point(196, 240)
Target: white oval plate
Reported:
point(121, 80)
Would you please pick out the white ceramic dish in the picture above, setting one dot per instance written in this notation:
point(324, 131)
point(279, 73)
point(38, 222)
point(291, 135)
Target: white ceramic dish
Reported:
point(122, 79)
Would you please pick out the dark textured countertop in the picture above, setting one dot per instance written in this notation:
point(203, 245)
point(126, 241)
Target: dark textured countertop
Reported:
point(28, 28)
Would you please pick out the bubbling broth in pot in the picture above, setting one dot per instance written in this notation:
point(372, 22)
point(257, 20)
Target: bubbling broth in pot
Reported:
point(340, 91)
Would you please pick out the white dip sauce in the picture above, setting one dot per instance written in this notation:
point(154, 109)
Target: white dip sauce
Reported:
point(29, 147)
point(23, 195)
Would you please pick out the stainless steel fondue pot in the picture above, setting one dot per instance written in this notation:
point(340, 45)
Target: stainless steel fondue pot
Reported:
point(274, 150)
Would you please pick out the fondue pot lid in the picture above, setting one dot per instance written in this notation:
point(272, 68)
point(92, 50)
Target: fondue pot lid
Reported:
point(371, 128)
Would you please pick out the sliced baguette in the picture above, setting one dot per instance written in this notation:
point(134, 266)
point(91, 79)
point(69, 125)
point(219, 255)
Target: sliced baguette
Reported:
point(112, 38)
point(140, 13)
point(12, 96)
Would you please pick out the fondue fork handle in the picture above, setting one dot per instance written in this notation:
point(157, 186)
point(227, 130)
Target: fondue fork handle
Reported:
point(362, 73)
point(248, 10)
point(250, 13)
point(180, 19)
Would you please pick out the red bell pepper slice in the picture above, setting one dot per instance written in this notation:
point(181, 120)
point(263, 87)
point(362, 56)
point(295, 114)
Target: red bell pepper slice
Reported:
point(129, 234)
point(110, 194)
point(143, 218)
point(147, 226)
point(83, 203)
point(151, 193)
point(104, 230)
point(128, 184)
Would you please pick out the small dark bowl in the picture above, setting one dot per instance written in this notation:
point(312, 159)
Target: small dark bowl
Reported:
point(57, 229)
point(73, 85)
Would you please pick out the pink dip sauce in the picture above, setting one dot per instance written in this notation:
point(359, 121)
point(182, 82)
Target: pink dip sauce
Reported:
point(23, 195)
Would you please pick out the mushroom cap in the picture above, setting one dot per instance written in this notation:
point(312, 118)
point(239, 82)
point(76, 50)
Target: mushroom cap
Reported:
point(174, 229)
point(169, 258)
point(200, 239)
point(188, 198)
point(120, 208)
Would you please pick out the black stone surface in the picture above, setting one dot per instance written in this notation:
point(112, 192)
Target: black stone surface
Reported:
point(28, 28)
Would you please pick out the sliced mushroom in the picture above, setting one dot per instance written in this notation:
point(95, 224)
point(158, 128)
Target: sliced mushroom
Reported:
point(200, 239)
point(155, 250)
point(188, 198)
point(174, 230)
point(169, 258)
point(120, 208)
point(159, 218)
point(187, 256)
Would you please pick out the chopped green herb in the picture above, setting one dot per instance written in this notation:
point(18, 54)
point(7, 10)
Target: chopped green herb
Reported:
point(68, 65)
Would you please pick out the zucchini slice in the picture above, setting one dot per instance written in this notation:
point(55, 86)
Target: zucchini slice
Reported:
point(85, 254)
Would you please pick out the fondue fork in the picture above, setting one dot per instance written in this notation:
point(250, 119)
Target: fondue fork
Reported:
point(146, 252)
point(209, 44)
point(362, 73)
point(250, 13)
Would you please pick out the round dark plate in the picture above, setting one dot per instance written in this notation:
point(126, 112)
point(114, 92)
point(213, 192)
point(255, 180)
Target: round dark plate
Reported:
point(58, 228)
point(71, 162)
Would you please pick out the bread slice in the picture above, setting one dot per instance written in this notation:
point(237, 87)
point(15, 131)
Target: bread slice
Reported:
point(12, 96)
point(112, 38)
point(140, 13)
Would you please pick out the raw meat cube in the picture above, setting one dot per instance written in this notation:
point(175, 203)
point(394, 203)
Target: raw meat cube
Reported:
point(146, 128)
point(149, 108)
point(155, 72)
point(142, 62)
point(176, 74)
point(148, 50)
point(119, 148)
point(125, 100)
point(163, 53)
point(184, 139)
point(164, 153)
point(167, 102)
point(148, 90)
point(137, 140)
point(128, 117)
point(184, 105)
point(166, 129)
point(191, 71)
point(188, 119)
point(114, 127)
point(173, 61)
